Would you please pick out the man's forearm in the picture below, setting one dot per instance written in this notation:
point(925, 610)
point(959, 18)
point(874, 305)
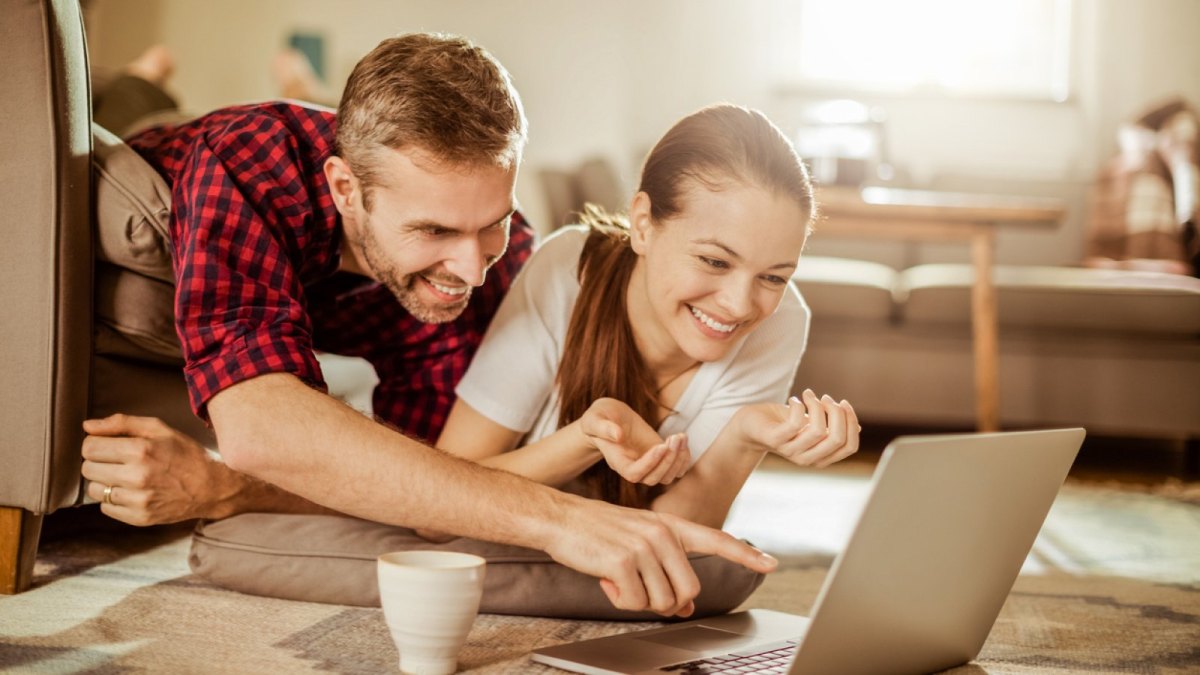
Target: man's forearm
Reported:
point(276, 429)
point(246, 494)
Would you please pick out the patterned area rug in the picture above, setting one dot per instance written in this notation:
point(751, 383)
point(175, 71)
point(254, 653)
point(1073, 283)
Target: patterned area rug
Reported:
point(1113, 585)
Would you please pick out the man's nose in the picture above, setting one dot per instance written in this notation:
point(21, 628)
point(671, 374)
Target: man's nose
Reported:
point(469, 261)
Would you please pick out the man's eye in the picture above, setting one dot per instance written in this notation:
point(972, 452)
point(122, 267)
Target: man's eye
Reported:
point(714, 263)
point(437, 231)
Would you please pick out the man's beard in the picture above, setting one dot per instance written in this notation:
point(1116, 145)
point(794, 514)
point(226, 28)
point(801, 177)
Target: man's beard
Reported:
point(404, 287)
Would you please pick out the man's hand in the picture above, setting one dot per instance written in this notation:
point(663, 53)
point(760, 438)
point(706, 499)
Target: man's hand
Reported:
point(809, 432)
point(631, 446)
point(153, 473)
point(641, 556)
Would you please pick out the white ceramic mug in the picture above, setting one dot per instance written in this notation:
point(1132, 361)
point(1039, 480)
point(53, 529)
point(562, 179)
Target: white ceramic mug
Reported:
point(430, 600)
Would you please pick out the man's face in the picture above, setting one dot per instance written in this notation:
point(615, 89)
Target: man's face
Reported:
point(432, 232)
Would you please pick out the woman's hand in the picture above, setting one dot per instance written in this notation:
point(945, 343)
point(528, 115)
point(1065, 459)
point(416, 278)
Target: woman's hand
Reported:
point(631, 446)
point(809, 432)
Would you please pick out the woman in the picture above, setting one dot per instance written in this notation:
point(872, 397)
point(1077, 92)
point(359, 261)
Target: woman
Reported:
point(677, 322)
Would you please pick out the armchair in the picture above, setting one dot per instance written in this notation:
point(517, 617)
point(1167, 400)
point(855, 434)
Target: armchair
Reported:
point(45, 270)
point(64, 362)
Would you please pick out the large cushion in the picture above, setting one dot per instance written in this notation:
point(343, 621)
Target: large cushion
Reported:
point(135, 316)
point(846, 289)
point(332, 559)
point(133, 209)
point(134, 278)
point(1064, 298)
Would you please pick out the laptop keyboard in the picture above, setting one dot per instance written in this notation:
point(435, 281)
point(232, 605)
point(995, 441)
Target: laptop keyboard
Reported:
point(772, 658)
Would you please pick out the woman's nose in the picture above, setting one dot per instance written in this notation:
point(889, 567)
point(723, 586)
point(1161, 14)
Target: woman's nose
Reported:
point(737, 298)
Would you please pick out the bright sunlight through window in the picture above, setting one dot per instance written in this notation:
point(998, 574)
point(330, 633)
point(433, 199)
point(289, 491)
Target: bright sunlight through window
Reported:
point(998, 48)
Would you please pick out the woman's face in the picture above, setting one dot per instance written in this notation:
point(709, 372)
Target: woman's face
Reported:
point(711, 274)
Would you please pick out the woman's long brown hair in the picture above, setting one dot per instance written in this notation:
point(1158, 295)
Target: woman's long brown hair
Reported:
point(716, 145)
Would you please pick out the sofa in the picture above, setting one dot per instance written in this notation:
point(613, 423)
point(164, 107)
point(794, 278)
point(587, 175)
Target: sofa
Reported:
point(68, 347)
point(1114, 351)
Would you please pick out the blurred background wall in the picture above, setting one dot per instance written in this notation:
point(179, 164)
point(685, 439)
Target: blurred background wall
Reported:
point(607, 78)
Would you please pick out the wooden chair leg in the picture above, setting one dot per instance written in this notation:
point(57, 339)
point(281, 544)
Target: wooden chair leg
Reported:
point(19, 532)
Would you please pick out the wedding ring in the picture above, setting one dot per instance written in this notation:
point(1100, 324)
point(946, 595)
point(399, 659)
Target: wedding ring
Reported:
point(108, 495)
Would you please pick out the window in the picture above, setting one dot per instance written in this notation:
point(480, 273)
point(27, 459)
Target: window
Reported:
point(999, 48)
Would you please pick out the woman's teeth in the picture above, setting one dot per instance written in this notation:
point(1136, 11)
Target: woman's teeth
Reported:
point(712, 323)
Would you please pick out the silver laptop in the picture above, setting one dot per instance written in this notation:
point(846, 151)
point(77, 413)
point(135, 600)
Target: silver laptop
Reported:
point(936, 550)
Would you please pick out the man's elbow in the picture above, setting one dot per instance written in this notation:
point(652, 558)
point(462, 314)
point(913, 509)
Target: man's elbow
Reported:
point(240, 443)
point(239, 435)
point(238, 455)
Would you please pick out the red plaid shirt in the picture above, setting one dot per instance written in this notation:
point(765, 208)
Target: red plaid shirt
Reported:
point(256, 247)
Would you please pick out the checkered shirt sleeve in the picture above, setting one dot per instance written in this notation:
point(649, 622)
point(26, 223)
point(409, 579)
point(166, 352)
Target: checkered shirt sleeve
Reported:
point(241, 207)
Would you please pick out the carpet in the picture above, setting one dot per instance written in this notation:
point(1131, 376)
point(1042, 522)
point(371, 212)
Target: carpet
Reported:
point(1112, 586)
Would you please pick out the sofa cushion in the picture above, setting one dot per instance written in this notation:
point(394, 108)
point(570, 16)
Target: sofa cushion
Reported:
point(140, 311)
point(133, 209)
point(135, 291)
point(331, 559)
point(1067, 298)
point(846, 288)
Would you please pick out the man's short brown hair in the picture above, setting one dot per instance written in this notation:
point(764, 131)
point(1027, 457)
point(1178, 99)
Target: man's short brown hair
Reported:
point(439, 93)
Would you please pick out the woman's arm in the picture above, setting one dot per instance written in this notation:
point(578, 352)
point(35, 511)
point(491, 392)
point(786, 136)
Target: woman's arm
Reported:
point(554, 460)
point(705, 494)
point(608, 430)
point(812, 432)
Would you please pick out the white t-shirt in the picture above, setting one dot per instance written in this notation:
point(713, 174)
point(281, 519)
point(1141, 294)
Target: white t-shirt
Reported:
point(511, 380)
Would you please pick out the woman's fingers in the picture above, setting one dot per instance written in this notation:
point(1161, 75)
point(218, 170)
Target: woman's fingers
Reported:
point(852, 430)
point(665, 463)
point(599, 427)
point(683, 460)
point(818, 423)
point(638, 470)
point(796, 412)
point(835, 434)
point(839, 440)
point(830, 436)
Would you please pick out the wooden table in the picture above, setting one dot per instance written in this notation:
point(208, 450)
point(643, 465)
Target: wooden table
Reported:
point(915, 215)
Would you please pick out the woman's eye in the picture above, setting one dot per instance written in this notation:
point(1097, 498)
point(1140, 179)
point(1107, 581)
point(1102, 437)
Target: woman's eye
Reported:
point(714, 263)
point(775, 280)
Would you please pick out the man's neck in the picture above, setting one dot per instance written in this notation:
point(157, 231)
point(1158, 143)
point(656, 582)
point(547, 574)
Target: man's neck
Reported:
point(350, 261)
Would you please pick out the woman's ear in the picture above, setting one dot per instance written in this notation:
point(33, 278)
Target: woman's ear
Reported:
point(641, 225)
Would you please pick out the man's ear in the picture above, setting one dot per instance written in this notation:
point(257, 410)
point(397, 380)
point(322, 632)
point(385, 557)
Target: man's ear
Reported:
point(641, 225)
point(343, 185)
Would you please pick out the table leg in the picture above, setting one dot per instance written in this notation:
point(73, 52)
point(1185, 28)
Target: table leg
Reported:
point(984, 327)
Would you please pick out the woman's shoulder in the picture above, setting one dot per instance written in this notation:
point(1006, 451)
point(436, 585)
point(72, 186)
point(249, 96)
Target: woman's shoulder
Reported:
point(557, 256)
point(565, 241)
point(793, 310)
point(550, 278)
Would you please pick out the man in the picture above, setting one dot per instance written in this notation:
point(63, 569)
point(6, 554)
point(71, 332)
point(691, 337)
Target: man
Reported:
point(374, 241)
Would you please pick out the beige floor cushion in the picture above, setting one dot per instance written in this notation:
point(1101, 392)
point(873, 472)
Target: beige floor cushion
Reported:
point(331, 559)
